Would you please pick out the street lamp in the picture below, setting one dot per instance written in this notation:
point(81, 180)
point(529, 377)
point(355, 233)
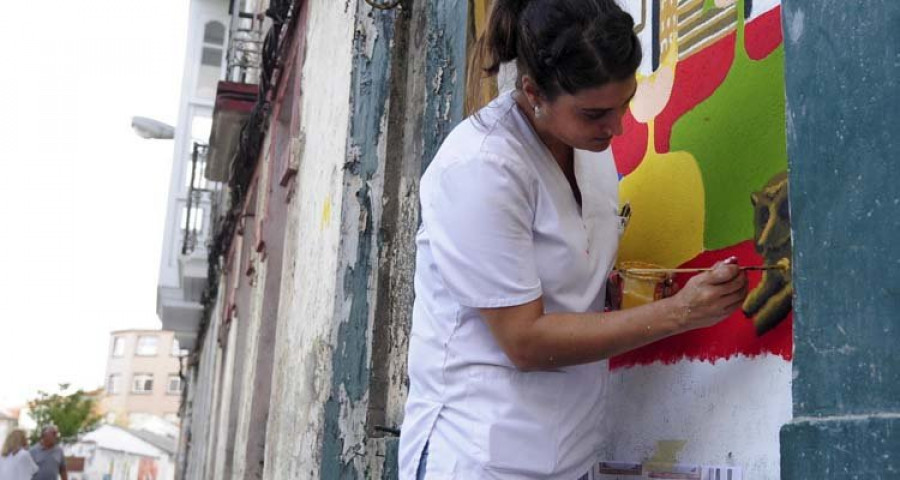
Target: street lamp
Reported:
point(152, 129)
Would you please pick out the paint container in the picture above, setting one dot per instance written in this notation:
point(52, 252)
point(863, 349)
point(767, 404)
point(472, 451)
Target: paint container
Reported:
point(641, 288)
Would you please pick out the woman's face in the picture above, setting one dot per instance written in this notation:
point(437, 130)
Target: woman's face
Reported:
point(589, 119)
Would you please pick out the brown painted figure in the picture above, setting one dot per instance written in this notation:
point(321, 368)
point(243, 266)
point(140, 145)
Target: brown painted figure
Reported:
point(770, 302)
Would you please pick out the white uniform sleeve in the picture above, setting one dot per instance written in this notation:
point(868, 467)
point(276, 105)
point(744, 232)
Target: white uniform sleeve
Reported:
point(25, 464)
point(478, 215)
point(32, 467)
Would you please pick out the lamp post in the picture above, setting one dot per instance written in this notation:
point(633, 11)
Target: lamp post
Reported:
point(152, 129)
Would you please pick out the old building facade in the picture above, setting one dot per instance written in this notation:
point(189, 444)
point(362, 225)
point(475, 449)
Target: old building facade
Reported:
point(294, 297)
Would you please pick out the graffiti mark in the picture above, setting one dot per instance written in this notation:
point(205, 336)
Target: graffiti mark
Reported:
point(326, 215)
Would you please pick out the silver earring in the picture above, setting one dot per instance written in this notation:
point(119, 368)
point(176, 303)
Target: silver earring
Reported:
point(537, 111)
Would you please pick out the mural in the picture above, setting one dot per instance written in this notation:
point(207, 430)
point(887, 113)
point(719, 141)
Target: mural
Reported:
point(147, 469)
point(702, 164)
point(770, 302)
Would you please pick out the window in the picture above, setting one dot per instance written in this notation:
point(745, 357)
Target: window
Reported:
point(118, 348)
point(112, 384)
point(143, 383)
point(214, 32)
point(201, 127)
point(176, 348)
point(146, 346)
point(211, 59)
point(174, 385)
point(196, 220)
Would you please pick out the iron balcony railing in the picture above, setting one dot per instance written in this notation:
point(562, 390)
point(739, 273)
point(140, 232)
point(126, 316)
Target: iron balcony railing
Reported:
point(245, 44)
point(199, 192)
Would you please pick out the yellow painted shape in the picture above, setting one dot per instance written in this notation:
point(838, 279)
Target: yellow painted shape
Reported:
point(666, 454)
point(487, 89)
point(667, 209)
point(326, 214)
point(481, 10)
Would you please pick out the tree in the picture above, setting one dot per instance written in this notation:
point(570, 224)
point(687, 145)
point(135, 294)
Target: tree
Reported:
point(72, 414)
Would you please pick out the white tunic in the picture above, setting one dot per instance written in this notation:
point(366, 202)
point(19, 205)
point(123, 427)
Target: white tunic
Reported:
point(17, 466)
point(501, 227)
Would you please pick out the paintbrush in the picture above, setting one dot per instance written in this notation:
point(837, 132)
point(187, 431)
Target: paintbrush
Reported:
point(697, 270)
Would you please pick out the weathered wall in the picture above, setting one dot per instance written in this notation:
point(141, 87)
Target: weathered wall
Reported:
point(361, 236)
point(202, 385)
point(306, 324)
point(342, 293)
point(842, 96)
point(702, 164)
point(263, 274)
point(219, 456)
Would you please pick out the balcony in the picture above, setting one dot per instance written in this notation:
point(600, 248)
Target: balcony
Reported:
point(234, 102)
point(180, 308)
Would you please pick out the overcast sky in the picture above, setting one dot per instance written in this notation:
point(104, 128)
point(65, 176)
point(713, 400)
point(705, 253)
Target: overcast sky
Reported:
point(82, 197)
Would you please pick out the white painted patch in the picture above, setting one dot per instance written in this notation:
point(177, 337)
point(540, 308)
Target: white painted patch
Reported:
point(762, 6)
point(728, 413)
point(795, 25)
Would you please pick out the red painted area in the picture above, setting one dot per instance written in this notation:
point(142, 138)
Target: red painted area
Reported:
point(763, 34)
point(696, 78)
point(147, 469)
point(629, 148)
point(731, 337)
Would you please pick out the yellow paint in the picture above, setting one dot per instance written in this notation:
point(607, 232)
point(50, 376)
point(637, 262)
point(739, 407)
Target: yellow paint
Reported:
point(326, 214)
point(640, 288)
point(481, 8)
point(667, 203)
point(487, 89)
point(668, 29)
point(666, 454)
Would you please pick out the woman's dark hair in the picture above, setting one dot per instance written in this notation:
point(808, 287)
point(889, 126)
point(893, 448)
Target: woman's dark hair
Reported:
point(563, 45)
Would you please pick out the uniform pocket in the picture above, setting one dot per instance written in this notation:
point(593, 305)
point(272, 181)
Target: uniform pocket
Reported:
point(519, 427)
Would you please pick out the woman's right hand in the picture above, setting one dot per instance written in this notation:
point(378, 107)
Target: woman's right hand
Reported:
point(710, 297)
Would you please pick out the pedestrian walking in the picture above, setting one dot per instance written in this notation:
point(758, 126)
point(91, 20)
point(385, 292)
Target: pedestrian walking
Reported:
point(49, 456)
point(15, 461)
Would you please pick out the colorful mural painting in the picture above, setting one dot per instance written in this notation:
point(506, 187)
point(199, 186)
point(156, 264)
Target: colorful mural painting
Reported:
point(702, 164)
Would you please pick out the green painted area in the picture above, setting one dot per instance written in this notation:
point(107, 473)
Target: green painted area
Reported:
point(709, 5)
point(737, 136)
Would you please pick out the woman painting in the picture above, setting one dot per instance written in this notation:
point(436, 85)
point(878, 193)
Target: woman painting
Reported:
point(509, 343)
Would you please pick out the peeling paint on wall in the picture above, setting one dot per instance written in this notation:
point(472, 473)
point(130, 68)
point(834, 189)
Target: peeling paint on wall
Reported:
point(345, 410)
point(309, 284)
point(445, 70)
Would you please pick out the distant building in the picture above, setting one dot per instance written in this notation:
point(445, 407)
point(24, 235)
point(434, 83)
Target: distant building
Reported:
point(116, 453)
point(8, 423)
point(143, 384)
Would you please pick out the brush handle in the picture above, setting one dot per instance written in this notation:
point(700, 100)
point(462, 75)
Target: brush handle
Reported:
point(697, 270)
